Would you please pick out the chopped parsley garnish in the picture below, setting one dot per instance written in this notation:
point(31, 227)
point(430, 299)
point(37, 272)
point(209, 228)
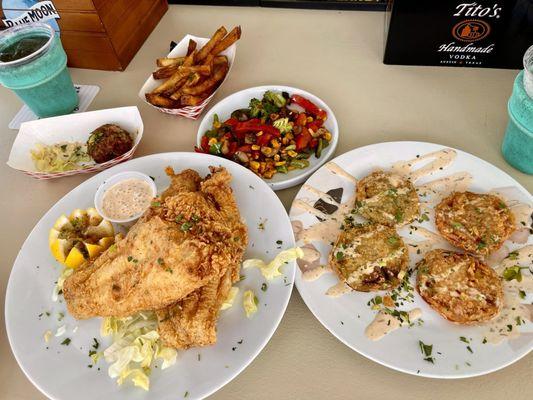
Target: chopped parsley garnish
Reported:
point(339, 255)
point(130, 258)
point(426, 350)
point(513, 272)
point(186, 394)
point(463, 339)
point(457, 225)
point(169, 270)
point(509, 328)
point(280, 242)
point(179, 218)
point(392, 240)
point(518, 320)
point(522, 294)
point(469, 349)
point(160, 261)
point(95, 344)
point(513, 255)
point(484, 340)
point(398, 217)
point(264, 287)
point(481, 245)
point(502, 205)
point(423, 217)
point(66, 342)
point(195, 218)
point(186, 226)
point(156, 204)
point(256, 300)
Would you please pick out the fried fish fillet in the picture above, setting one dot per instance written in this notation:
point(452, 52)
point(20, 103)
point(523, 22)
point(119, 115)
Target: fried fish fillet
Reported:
point(192, 321)
point(180, 244)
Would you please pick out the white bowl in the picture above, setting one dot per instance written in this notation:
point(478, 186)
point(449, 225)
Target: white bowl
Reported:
point(241, 99)
point(114, 180)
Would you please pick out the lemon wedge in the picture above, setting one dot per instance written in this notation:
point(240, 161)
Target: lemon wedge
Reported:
point(81, 236)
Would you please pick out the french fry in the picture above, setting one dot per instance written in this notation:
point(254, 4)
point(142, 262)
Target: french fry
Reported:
point(189, 100)
point(213, 42)
point(177, 79)
point(165, 72)
point(192, 80)
point(231, 38)
point(208, 84)
point(220, 60)
point(161, 101)
point(191, 47)
point(168, 61)
point(204, 70)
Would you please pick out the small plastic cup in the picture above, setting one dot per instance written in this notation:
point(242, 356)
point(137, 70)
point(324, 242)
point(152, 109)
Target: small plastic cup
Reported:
point(40, 77)
point(108, 183)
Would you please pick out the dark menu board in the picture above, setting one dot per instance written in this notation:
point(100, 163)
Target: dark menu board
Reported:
point(484, 33)
point(320, 4)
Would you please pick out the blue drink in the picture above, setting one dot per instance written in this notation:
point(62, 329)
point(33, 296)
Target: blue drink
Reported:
point(34, 65)
point(517, 146)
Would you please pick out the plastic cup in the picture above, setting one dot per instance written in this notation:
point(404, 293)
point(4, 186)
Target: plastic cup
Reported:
point(41, 78)
point(517, 146)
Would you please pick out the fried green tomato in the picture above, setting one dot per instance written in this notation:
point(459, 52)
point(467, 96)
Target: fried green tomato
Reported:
point(477, 223)
point(387, 198)
point(460, 287)
point(369, 257)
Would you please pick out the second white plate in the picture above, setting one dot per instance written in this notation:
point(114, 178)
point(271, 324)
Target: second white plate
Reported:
point(347, 316)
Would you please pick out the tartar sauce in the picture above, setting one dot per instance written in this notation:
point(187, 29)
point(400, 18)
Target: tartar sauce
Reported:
point(126, 199)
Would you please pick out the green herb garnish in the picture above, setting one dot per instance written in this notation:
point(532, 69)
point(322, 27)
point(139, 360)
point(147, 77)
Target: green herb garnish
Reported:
point(66, 342)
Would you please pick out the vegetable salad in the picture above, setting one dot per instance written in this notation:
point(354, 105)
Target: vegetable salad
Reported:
point(276, 134)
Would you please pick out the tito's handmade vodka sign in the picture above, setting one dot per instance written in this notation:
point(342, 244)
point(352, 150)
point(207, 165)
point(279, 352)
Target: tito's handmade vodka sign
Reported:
point(456, 33)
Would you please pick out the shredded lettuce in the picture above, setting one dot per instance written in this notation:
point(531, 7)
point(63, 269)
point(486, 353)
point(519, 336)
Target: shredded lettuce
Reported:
point(58, 288)
point(272, 269)
point(228, 303)
point(249, 303)
point(135, 346)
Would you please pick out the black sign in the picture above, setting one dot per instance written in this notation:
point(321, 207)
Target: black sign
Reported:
point(484, 33)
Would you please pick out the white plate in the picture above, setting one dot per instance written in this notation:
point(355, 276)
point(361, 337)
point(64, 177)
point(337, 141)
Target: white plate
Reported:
point(241, 99)
point(347, 316)
point(61, 372)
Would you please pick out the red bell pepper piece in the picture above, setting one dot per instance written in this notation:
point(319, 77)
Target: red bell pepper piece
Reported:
point(198, 150)
point(302, 140)
point(232, 149)
point(231, 122)
point(252, 126)
point(264, 139)
point(245, 148)
point(313, 143)
point(313, 126)
point(308, 106)
point(301, 120)
point(204, 143)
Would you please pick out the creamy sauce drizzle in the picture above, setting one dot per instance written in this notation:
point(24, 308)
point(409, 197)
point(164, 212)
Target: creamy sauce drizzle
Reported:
point(336, 170)
point(512, 310)
point(385, 323)
point(338, 290)
point(441, 159)
point(126, 199)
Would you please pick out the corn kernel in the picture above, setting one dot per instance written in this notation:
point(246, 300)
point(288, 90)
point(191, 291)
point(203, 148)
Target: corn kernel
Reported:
point(255, 147)
point(275, 143)
point(212, 141)
point(309, 119)
point(254, 165)
point(285, 140)
point(280, 163)
point(276, 157)
point(260, 133)
point(266, 151)
point(327, 136)
point(292, 153)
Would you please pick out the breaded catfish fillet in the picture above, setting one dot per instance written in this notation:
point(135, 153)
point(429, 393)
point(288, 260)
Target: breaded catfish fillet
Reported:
point(459, 287)
point(192, 321)
point(180, 244)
